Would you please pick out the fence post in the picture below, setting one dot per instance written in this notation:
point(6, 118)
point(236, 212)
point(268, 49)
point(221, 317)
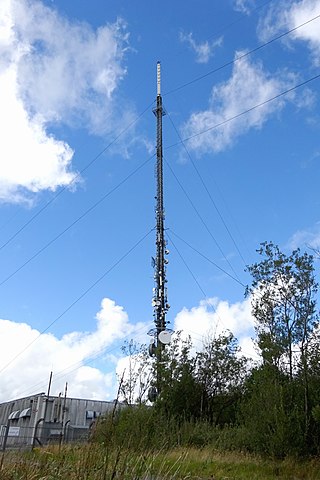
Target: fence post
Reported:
point(35, 434)
point(5, 438)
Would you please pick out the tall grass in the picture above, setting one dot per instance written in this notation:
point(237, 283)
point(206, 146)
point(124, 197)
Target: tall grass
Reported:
point(95, 462)
point(143, 444)
point(86, 462)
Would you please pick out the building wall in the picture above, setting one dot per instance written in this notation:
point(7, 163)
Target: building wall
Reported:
point(39, 419)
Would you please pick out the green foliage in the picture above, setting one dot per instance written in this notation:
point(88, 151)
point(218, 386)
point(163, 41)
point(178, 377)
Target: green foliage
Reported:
point(211, 401)
point(138, 428)
point(316, 413)
point(203, 386)
point(220, 372)
point(92, 462)
point(271, 412)
point(283, 290)
point(180, 392)
point(281, 395)
point(215, 398)
point(136, 377)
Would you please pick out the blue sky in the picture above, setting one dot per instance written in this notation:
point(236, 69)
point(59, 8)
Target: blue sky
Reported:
point(77, 186)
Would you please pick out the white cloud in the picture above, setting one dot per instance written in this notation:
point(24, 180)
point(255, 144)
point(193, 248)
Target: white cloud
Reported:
point(52, 72)
point(249, 85)
point(309, 238)
point(243, 6)
point(282, 17)
point(135, 373)
point(30, 158)
point(210, 318)
point(69, 357)
point(205, 50)
point(213, 317)
point(69, 69)
point(66, 357)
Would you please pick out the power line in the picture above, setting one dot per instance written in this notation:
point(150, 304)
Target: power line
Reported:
point(195, 279)
point(198, 284)
point(84, 214)
point(202, 220)
point(95, 355)
point(217, 125)
point(187, 266)
point(77, 176)
point(258, 7)
point(235, 60)
point(228, 26)
point(207, 190)
point(79, 298)
point(102, 351)
point(256, 293)
point(209, 260)
point(82, 363)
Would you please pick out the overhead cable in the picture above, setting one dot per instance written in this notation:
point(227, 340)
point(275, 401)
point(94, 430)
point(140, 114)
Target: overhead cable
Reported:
point(83, 294)
point(84, 214)
point(227, 120)
point(202, 219)
point(208, 259)
point(238, 20)
point(207, 190)
point(240, 57)
point(195, 279)
point(81, 363)
point(76, 177)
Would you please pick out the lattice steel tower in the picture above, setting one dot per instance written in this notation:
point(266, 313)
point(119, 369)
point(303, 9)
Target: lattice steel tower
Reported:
point(161, 335)
point(160, 303)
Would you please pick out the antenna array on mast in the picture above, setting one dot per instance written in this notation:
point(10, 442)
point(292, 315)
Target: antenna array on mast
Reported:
point(160, 304)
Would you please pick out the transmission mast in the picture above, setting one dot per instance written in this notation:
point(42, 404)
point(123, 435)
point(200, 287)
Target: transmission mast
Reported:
point(161, 335)
point(160, 304)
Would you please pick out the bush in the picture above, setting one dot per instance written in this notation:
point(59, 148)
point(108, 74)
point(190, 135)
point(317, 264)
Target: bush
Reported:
point(138, 428)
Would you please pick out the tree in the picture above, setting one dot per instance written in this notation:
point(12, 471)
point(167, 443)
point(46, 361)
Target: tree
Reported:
point(283, 294)
point(283, 291)
point(271, 413)
point(220, 371)
point(180, 394)
point(137, 374)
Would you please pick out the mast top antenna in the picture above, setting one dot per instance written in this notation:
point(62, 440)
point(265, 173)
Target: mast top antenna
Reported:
point(158, 79)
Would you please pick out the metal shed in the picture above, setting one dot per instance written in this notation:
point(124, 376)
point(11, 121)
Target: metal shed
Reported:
point(41, 419)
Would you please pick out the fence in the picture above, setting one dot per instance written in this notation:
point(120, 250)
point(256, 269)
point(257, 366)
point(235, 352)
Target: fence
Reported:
point(44, 433)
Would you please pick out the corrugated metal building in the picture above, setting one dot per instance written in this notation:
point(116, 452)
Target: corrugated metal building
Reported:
point(41, 419)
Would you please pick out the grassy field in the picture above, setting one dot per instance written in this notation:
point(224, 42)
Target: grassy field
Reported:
point(95, 462)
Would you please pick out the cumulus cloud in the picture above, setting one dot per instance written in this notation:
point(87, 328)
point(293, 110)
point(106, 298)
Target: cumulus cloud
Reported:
point(52, 72)
point(249, 85)
point(26, 357)
point(205, 50)
point(213, 317)
point(66, 357)
point(31, 159)
point(69, 69)
point(209, 319)
point(282, 16)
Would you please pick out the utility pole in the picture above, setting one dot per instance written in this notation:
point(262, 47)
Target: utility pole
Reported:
point(161, 335)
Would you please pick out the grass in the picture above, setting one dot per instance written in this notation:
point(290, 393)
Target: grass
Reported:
point(96, 462)
point(215, 465)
